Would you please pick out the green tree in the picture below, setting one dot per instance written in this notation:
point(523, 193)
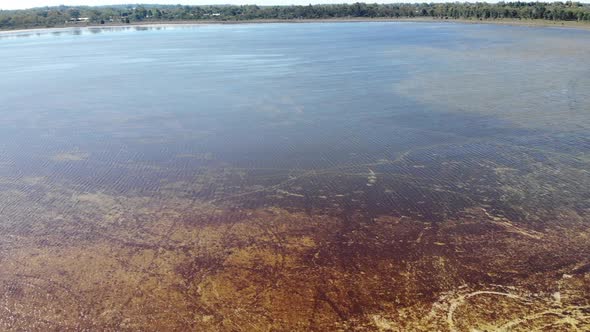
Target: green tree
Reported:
point(73, 13)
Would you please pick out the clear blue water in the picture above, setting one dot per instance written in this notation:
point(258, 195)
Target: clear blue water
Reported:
point(441, 117)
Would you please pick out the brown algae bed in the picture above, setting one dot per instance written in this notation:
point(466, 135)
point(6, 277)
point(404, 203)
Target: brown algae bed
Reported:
point(97, 261)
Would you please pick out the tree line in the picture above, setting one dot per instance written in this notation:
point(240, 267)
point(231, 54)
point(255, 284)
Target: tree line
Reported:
point(61, 15)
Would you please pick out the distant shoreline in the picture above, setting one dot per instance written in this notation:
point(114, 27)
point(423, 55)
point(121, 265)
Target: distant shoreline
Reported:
point(508, 22)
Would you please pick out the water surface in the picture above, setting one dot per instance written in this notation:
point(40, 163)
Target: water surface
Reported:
point(221, 167)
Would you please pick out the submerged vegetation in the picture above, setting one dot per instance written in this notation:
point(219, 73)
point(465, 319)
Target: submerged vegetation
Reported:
point(58, 16)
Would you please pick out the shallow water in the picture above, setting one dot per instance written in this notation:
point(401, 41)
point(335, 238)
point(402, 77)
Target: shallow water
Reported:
point(142, 148)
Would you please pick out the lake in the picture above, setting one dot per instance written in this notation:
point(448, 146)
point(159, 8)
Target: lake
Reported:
point(327, 176)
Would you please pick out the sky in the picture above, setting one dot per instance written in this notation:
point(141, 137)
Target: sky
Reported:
point(21, 4)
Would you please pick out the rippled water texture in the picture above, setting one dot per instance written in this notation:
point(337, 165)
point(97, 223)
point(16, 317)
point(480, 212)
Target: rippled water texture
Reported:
point(349, 176)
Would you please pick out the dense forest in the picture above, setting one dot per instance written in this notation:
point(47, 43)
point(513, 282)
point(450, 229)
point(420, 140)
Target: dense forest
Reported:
point(64, 15)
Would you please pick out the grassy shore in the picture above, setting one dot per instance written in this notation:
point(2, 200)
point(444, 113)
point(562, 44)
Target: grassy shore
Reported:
point(531, 23)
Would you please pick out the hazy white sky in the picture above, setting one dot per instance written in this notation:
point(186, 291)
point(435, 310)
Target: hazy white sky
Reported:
point(19, 4)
